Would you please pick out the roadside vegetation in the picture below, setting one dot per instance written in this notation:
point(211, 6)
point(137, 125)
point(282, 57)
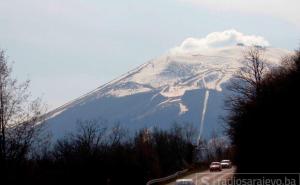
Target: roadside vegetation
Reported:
point(263, 123)
point(106, 156)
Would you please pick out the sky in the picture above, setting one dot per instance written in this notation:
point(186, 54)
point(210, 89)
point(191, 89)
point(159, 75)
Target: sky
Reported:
point(70, 47)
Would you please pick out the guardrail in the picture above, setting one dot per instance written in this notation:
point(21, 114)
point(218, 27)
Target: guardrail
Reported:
point(167, 178)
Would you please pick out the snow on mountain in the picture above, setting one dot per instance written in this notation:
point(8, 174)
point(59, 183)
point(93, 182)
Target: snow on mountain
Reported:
point(182, 86)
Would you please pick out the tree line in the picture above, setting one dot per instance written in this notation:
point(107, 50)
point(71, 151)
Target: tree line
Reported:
point(263, 123)
point(107, 156)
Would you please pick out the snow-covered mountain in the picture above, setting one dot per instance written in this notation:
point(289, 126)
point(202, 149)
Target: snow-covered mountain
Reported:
point(178, 86)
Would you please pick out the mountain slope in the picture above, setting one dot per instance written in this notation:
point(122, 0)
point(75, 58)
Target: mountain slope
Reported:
point(182, 87)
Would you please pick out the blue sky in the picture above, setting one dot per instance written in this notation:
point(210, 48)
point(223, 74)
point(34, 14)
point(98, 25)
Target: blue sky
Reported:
point(69, 47)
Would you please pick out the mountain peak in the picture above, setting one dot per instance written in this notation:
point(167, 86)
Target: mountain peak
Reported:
point(177, 86)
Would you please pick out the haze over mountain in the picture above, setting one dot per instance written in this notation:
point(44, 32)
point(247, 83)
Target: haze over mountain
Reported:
point(187, 84)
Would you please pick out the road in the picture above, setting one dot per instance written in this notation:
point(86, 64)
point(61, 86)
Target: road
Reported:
point(209, 178)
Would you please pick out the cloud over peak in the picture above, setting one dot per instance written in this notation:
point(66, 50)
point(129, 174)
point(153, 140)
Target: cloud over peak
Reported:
point(220, 39)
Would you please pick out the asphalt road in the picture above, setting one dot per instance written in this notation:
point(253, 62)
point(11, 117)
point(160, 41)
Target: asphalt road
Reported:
point(209, 178)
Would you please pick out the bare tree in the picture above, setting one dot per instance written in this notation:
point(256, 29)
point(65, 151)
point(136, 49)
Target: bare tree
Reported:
point(247, 81)
point(90, 133)
point(117, 134)
point(217, 146)
point(19, 114)
point(246, 86)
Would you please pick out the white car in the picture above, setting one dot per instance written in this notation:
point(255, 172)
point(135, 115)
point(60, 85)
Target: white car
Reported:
point(215, 166)
point(226, 164)
point(184, 182)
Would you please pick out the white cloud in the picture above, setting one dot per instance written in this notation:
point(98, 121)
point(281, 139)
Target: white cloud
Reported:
point(220, 39)
point(287, 10)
